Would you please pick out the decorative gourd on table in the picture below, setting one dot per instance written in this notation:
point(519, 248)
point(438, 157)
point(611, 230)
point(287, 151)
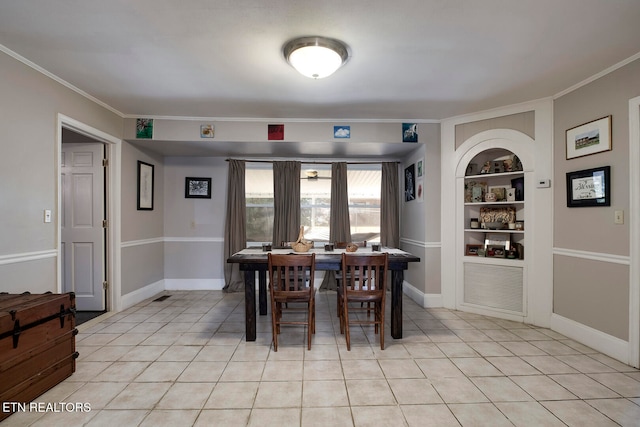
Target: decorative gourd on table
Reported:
point(302, 244)
point(351, 247)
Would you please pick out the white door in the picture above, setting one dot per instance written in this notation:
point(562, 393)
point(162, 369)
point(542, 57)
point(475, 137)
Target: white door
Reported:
point(82, 232)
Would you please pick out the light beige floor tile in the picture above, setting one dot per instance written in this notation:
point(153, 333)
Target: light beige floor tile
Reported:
point(278, 417)
point(501, 389)
point(223, 418)
point(162, 338)
point(323, 417)
point(139, 396)
point(296, 353)
point(554, 348)
point(512, 366)
point(186, 396)
point(129, 339)
point(549, 365)
point(577, 413)
point(215, 353)
point(57, 419)
point(162, 371)
point(97, 394)
point(412, 391)
point(622, 411)
point(286, 370)
point(243, 371)
point(527, 414)
point(322, 370)
point(122, 371)
point(369, 393)
point(233, 395)
point(110, 418)
point(280, 394)
point(620, 383)
point(425, 350)
point(476, 367)
point(194, 338)
point(487, 349)
point(479, 414)
point(180, 353)
point(251, 352)
point(541, 387)
point(438, 368)
point(330, 393)
point(202, 372)
point(522, 348)
point(394, 368)
point(501, 335)
point(585, 364)
point(457, 350)
point(429, 416)
point(170, 418)
point(143, 353)
point(583, 386)
point(362, 369)
point(377, 416)
point(458, 390)
point(98, 339)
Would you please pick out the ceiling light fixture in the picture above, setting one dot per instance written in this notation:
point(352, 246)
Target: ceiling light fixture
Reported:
point(316, 57)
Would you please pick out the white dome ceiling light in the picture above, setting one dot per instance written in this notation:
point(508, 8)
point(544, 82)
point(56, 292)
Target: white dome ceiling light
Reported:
point(316, 57)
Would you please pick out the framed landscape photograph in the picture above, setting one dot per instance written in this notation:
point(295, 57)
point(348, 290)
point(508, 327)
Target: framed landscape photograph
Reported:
point(145, 186)
point(589, 138)
point(197, 188)
point(472, 250)
point(589, 187)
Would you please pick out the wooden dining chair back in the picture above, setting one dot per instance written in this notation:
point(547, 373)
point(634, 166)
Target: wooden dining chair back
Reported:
point(291, 283)
point(343, 245)
point(364, 281)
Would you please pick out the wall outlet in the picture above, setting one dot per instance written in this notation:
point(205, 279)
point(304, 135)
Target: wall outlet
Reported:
point(618, 217)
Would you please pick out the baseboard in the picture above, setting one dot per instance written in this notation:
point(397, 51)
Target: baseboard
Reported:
point(139, 295)
point(598, 340)
point(422, 299)
point(193, 284)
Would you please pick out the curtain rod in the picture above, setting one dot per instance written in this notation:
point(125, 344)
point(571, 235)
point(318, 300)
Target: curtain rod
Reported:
point(314, 163)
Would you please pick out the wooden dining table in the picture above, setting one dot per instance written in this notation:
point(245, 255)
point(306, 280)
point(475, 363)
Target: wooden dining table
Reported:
point(254, 260)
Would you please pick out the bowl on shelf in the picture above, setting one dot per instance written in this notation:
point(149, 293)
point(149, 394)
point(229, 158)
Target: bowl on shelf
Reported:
point(498, 225)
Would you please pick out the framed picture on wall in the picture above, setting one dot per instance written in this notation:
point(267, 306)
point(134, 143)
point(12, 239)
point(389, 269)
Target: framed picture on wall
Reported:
point(589, 138)
point(197, 188)
point(410, 183)
point(145, 186)
point(589, 187)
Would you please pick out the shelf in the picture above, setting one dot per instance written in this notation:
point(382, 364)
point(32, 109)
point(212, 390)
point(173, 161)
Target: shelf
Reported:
point(493, 203)
point(484, 230)
point(485, 175)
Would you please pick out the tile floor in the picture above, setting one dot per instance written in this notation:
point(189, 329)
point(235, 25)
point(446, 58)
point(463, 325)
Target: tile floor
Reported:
point(183, 361)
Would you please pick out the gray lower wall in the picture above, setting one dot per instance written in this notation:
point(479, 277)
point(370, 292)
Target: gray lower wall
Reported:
point(33, 276)
point(194, 260)
point(142, 265)
point(594, 293)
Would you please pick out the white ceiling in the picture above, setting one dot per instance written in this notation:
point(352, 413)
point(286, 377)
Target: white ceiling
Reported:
point(411, 59)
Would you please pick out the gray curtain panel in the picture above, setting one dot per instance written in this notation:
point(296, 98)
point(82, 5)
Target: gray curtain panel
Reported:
point(339, 224)
point(235, 233)
point(389, 215)
point(286, 201)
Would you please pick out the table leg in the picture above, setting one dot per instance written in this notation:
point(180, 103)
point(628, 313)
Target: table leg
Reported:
point(262, 292)
point(250, 304)
point(397, 279)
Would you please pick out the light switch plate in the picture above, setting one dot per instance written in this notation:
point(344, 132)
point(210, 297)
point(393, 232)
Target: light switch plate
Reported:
point(618, 217)
point(47, 215)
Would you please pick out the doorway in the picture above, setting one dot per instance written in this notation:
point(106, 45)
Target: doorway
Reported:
point(106, 287)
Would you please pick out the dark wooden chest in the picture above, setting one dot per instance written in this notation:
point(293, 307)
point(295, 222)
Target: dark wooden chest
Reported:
point(37, 344)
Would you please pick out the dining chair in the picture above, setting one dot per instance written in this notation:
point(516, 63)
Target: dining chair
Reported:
point(291, 284)
point(364, 281)
point(343, 245)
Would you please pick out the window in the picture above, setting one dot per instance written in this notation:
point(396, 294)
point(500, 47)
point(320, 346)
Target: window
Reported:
point(259, 199)
point(363, 183)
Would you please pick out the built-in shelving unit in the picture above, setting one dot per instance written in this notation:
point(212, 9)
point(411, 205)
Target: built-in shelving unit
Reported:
point(493, 258)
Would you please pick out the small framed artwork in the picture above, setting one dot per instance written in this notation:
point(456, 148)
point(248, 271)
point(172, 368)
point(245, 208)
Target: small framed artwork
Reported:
point(589, 187)
point(496, 251)
point(497, 239)
point(207, 131)
point(275, 132)
point(500, 192)
point(472, 250)
point(420, 168)
point(589, 138)
point(144, 128)
point(342, 132)
point(197, 188)
point(145, 186)
point(409, 132)
point(410, 183)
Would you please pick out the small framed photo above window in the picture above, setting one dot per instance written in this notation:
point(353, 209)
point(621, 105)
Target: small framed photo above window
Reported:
point(589, 138)
point(197, 188)
point(589, 187)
